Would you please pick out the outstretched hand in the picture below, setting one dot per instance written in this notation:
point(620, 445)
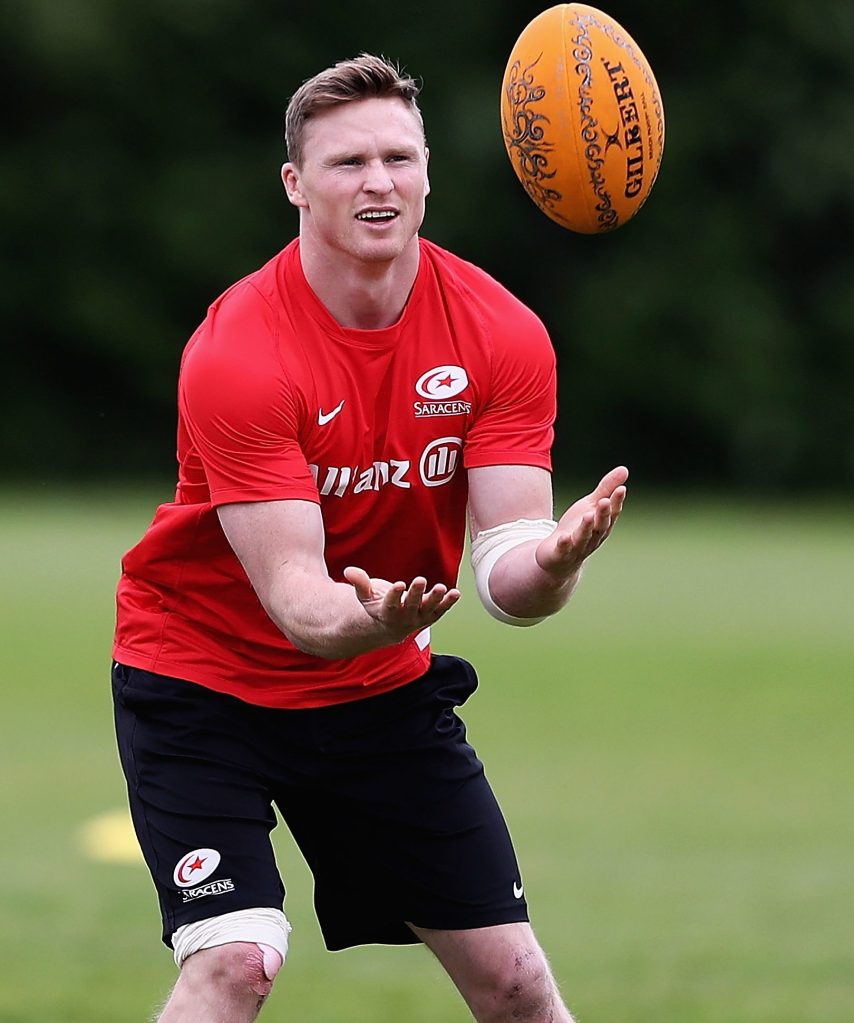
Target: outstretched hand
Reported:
point(401, 609)
point(584, 527)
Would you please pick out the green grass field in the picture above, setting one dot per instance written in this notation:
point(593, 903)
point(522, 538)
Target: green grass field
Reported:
point(674, 755)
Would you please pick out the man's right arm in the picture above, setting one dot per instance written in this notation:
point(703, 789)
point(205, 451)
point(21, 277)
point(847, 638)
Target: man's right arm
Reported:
point(281, 547)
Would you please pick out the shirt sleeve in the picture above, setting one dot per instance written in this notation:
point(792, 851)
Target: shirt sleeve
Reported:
point(516, 423)
point(238, 405)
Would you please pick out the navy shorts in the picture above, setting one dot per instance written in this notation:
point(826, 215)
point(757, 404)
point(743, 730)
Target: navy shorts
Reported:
point(386, 800)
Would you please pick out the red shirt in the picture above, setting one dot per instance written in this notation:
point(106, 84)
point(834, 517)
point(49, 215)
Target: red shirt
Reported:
point(276, 401)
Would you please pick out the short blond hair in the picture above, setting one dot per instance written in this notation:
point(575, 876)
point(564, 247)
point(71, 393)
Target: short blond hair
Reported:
point(361, 77)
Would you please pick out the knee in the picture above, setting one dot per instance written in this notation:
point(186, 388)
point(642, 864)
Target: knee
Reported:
point(519, 986)
point(237, 968)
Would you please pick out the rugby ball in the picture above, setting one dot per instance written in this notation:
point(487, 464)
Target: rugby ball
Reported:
point(582, 118)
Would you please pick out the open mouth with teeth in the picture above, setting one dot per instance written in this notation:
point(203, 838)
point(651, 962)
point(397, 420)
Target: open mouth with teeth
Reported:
point(377, 215)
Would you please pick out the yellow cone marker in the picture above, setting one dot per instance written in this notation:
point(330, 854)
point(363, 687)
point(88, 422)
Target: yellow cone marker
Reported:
point(110, 838)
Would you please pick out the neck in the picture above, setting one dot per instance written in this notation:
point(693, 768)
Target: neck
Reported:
point(364, 295)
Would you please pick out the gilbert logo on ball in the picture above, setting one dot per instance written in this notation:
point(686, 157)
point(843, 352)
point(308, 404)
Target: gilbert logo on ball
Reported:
point(582, 118)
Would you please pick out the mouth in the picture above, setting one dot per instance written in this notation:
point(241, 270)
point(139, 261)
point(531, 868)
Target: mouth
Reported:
point(382, 216)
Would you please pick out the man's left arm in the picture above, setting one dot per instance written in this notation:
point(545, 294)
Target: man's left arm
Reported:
point(533, 578)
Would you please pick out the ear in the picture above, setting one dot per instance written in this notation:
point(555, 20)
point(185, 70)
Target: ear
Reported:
point(293, 185)
point(426, 179)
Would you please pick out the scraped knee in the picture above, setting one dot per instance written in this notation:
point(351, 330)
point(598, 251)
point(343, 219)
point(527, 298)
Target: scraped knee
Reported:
point(240, 951)
point(239, 971)
point(260, 962)
point(518, 986)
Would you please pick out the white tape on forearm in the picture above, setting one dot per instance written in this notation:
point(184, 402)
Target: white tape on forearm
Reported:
point(489, 545)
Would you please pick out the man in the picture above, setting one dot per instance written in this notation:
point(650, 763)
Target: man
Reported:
point(339, 411)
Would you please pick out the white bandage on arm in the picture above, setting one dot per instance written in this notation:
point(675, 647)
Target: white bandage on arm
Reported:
point(263, 926)
point(489, 545)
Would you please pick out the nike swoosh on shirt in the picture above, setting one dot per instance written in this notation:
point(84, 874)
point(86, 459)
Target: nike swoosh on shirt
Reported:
point(324, 417)
point(518, 890)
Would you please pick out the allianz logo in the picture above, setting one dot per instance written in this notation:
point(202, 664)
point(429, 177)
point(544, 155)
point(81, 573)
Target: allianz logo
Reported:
point(337, 480)
point(437, 465)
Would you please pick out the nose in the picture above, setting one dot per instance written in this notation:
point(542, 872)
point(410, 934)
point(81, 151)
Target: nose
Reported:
point(377, 178)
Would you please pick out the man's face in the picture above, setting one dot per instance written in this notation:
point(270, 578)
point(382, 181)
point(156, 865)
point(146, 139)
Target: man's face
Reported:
point(363, 180)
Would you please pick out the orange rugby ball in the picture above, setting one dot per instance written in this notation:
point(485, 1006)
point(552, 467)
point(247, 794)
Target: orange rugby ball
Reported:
point(582, 118)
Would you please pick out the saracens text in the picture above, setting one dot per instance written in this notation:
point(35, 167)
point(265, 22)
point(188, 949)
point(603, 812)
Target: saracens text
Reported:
point(441, 408)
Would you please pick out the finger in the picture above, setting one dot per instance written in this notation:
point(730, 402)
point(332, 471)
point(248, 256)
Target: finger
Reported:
point(564, 543)
point(584, 530)
point(602, 517)
point(434, 598)
point(394, 595)
point(610, 481)
point(610, 512)
point(569, 545)
point(617, 501)
point(413, 597)
point(446, 603)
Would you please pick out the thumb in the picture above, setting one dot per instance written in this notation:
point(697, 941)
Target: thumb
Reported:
point(359, 579)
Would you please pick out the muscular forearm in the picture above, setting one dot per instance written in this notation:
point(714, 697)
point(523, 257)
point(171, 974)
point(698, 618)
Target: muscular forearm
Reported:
point(280, 545)
point(537, 577)
point(522, 588)
point(324, 618)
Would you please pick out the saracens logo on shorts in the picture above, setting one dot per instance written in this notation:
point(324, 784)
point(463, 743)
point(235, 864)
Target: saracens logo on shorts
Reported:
point(195, 867)
point(439, 385)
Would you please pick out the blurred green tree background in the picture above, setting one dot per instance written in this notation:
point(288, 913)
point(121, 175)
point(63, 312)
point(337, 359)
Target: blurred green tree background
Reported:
point(707, 343)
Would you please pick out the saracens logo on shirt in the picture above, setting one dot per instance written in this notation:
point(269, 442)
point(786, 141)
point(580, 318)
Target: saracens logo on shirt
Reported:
point(439, 385)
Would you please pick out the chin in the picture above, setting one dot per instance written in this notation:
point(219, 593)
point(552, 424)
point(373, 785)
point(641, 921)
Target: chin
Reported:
point(383, 250)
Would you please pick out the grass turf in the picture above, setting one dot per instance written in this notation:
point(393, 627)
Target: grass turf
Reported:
point(673, 754)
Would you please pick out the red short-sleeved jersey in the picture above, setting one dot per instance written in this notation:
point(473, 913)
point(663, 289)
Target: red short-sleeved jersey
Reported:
point(278, 401)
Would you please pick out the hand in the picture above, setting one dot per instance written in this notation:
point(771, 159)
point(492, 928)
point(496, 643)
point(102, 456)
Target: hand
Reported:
point(584, 527)
point(400, 609)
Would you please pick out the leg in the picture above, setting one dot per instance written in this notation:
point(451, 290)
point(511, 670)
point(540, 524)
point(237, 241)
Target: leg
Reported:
point(501, 972)
point(192, 759)
point(225, 984)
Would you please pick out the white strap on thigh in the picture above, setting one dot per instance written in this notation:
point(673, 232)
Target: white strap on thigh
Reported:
point(263, 926)
point(488, 546)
